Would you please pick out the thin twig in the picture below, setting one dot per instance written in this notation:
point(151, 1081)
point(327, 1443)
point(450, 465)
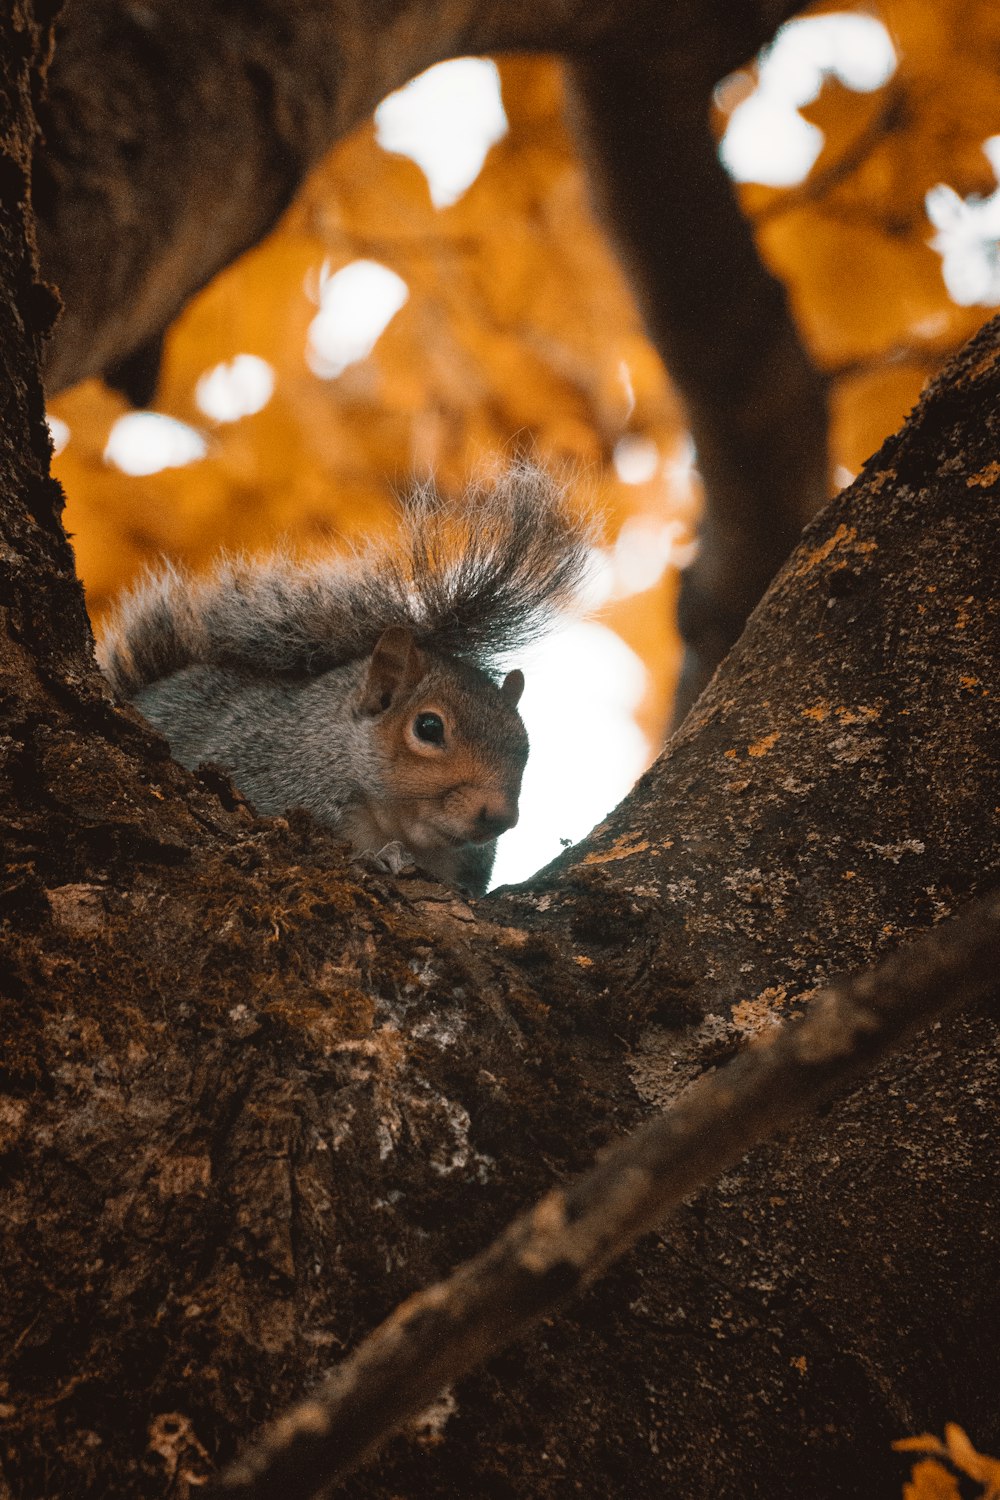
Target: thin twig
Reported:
point(892, 118)
point(573, 1233)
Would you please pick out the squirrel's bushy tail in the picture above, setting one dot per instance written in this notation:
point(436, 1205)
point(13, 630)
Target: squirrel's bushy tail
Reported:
point(476, 580)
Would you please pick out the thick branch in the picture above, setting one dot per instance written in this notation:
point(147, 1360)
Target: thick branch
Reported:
point(756, 404)
point(574, 1233)
point(176, 135)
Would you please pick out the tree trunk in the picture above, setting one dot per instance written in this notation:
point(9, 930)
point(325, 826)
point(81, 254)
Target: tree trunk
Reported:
point(253, 1096)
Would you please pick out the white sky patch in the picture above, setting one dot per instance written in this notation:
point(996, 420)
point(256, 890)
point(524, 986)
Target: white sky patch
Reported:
point(679, 467)
point(356, 305)
point(582, 690)
point(144, 442)
point(445, 120)
point(967, 238)
point(645, 548)
point(767, 140)
point(636, 459)
point(237, 388)
point(59, 432)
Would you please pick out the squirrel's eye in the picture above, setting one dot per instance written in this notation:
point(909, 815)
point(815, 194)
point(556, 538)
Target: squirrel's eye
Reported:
point(429, 728)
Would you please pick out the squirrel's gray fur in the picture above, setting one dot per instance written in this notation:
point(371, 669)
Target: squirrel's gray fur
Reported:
point(308, 680)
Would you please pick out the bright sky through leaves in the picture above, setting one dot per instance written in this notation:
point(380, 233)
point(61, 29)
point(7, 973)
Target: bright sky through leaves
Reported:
point(237, 388)
point(356, 305)
point(59, 432)
point(583, 688)
point(581, 692)
point(767, 140)
point(143, 442)
point(968, 238)
point(445, 120)
point(635, 458)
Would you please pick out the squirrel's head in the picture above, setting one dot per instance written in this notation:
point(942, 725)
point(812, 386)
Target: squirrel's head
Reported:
point(451, 745)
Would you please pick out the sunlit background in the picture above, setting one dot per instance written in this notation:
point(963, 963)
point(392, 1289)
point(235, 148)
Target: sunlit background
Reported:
point(440, 297)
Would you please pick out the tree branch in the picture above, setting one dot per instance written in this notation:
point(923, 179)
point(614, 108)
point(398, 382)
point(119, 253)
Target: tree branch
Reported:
point(574, 1233)
point(176, 137)
point(755, 402)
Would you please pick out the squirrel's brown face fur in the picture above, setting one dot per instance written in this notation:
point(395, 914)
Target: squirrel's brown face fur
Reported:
point(452, 746)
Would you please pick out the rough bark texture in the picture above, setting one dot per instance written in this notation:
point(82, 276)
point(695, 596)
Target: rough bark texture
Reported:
point(569, 1237)
point(251, 1096)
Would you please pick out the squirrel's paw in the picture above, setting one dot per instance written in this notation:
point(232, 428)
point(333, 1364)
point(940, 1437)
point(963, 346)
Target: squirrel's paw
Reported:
point(393, 858)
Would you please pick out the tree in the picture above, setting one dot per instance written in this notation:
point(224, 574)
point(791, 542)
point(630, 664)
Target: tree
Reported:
point(253, 1096)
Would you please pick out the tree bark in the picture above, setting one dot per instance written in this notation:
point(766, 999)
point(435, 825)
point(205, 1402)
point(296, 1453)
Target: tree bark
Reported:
point(175, 137)
point(572, 1234)
point(252, 1096)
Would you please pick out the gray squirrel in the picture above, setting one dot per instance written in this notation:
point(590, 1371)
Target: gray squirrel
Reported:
point(365, 688)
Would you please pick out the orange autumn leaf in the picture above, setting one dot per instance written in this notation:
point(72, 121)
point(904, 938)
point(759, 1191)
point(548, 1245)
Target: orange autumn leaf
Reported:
point(924, 1443)
point(985, 1470)
point(931, 1481)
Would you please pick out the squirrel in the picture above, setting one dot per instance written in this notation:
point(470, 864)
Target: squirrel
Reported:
point(365, 688)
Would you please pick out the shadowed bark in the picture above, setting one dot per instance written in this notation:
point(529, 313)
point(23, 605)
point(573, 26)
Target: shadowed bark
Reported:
point(573, 1234)
point(176, 137)
point(250, 1097)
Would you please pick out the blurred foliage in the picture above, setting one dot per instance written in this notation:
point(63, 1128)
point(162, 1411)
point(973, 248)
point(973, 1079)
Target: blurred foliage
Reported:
point(516, 336)
point(852, 241)
point(519, 332)
point(955, 1459)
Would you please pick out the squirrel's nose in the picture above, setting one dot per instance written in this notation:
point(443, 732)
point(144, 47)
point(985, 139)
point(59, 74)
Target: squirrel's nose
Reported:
point(495, 818)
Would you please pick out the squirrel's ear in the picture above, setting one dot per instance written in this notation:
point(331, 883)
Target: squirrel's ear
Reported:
point(512, 687)
point(396, 664)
